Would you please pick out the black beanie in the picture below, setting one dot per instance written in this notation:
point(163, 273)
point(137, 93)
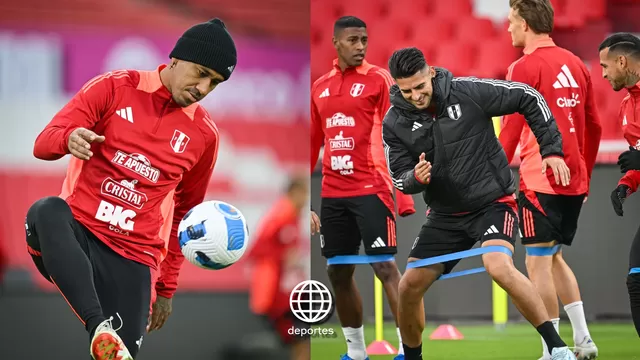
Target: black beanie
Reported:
point(210, 45)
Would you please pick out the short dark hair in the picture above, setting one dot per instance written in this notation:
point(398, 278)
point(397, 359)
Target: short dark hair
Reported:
point(622, 44)
point(537, 13)
point(406, 62)
point(348, 22)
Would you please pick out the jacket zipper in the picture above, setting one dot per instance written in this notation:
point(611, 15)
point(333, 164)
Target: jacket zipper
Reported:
point(164, 108)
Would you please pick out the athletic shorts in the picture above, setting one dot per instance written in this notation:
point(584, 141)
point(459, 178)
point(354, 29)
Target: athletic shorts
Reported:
point(347, 222)
point(545, 217)
point(124, 287)
point(286, 327)
point(444, 234)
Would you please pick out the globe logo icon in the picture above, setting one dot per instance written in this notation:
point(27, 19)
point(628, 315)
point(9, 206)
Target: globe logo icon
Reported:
point(311, 302)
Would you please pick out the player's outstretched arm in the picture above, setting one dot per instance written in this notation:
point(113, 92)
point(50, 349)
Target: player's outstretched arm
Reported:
point(84, 110)
point(402, 167)
point(501, 97)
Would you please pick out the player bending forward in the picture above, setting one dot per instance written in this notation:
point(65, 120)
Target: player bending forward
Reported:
point(439, 140)
point(348, 104)
point(620, 61)
point(280, 260)
point(143, 152)
point(549, 212)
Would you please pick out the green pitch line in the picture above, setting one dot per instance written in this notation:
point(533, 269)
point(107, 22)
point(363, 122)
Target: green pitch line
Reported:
point(517, 341)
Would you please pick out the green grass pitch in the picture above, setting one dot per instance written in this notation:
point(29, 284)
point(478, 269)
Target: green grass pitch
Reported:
point(517, 341)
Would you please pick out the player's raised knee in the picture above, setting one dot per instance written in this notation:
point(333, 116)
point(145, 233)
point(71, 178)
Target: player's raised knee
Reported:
point(48, 207)
point(417, 281)
point(497, 264)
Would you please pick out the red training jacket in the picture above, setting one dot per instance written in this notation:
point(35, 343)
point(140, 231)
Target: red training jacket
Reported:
point(274, 255)
point(347, 109)
point(629, 117)
point(565, 83)
point(153, 167)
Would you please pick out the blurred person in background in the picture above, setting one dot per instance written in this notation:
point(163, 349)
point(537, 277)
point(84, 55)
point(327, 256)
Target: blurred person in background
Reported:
point(3, 263)
point(620, 62)
point(139, 140)
point(280, 261)
point(549, 212)
point(348, 104)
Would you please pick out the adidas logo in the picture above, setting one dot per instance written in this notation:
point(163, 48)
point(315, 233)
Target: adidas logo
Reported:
point(416, 126)
point(565, 79)
point(491, 230)
point(378, 243)
point(126, 114)
point(324, 93)
point(230, 68)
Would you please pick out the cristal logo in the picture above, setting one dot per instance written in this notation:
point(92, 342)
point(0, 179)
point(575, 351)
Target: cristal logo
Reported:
point(564, 102)
point(341, 143)
point(124, 191)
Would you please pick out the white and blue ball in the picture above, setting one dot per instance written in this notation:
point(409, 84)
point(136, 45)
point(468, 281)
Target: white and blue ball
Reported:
point(213, 235)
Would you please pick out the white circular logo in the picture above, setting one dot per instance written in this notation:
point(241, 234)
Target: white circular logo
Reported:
point(311, 302)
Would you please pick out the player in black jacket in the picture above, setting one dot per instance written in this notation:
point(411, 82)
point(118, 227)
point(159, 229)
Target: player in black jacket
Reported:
point(439, 140)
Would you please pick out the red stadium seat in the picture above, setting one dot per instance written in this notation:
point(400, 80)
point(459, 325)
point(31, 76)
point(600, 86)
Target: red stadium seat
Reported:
point(475, 29)
point(370, 11)
point(407, 9)
point(388, 33)
point(434, 30)
point(494, 58)
point(459, 58)
point(594, 9)
point(322, 56)
point(452, 9)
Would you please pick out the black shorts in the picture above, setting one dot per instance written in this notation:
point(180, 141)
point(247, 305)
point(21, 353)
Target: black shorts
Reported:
point(444, 234)
point(545, 217)
point(123, 286)
point(348, 221)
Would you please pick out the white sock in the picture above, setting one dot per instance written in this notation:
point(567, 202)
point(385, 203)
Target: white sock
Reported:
point(400, 347)
point(556, 324)
point(575, 311)
point(545, 349)
point(356, 348)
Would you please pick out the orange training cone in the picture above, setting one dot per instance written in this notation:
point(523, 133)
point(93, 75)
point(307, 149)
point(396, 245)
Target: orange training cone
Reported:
point(446, 332)
point(381, 347)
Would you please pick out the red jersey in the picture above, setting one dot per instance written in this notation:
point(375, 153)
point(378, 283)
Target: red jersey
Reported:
point(153, 166)
point(565, 83)
point(275, 257)
point(347, 108)
point(629, 119)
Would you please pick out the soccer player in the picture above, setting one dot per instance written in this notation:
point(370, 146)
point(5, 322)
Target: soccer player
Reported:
point(142, 151)
point(549, 212)
point(620, 62)
point(278, 262)
point(348, 104)
point(439, 141)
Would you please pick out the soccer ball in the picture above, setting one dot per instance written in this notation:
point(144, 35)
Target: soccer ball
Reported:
point(213, 235)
